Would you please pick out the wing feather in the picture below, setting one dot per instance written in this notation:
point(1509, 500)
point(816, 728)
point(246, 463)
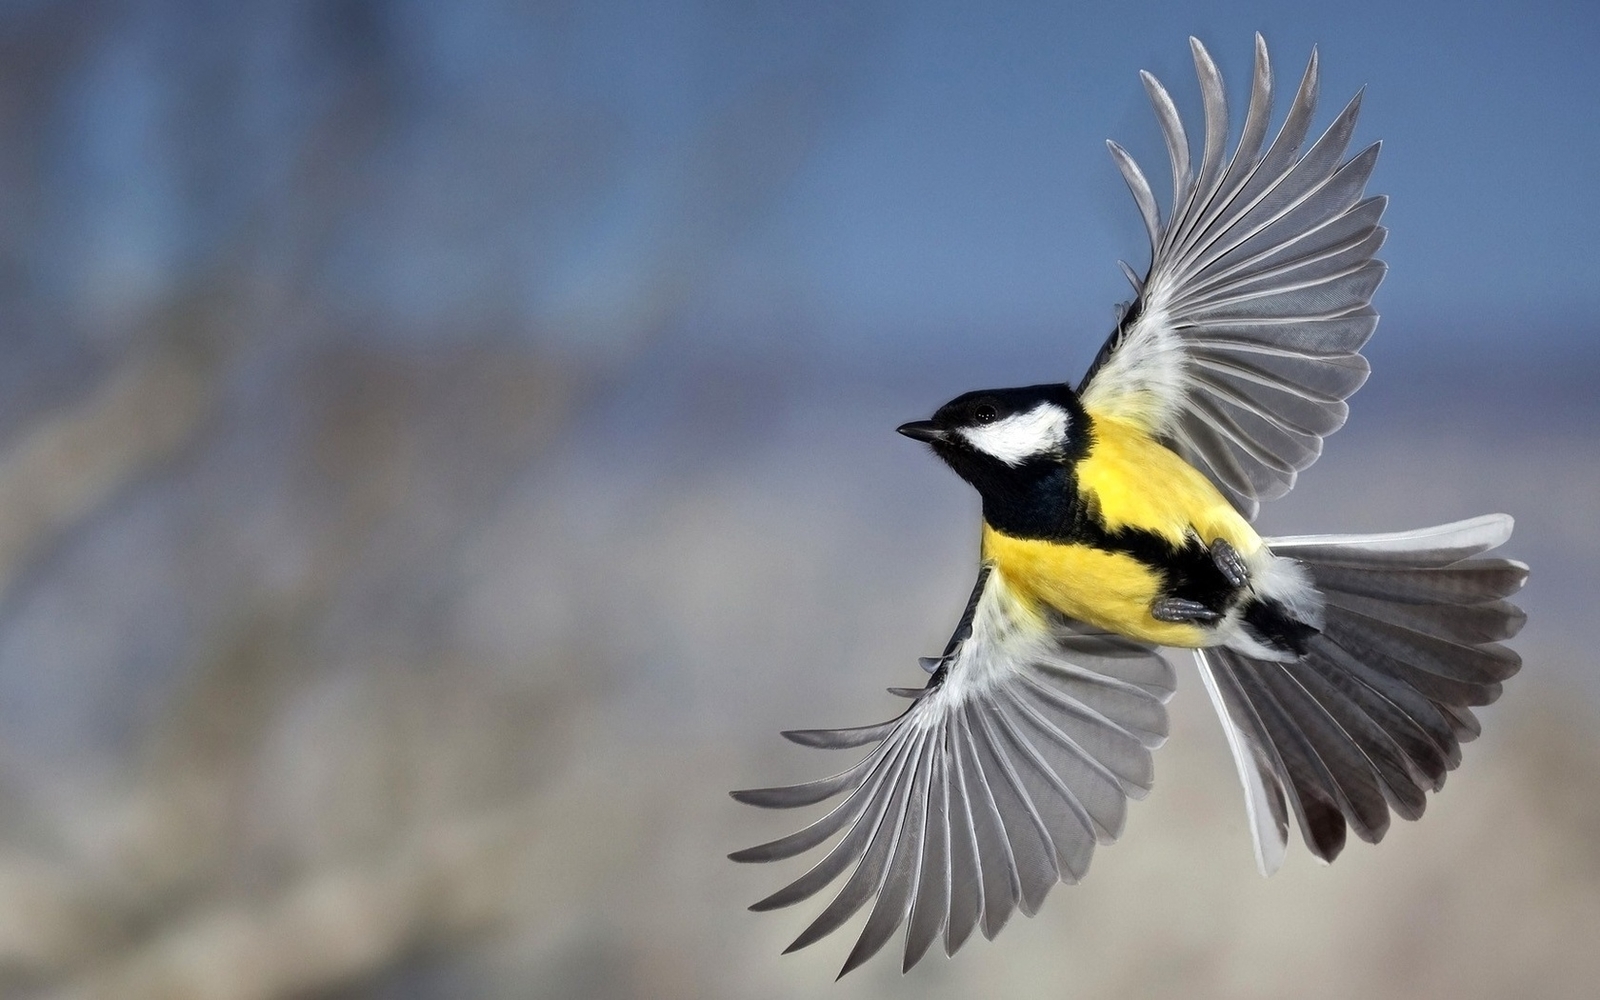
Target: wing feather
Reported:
point(1032, 855)
point(1215, 98)
point(997, 870)
point(873, 863)
point(1172, 131)
point(1271, 255)
point(1143, 197)
point(848, 850)
point(1245, 156)
point(966, 869)
point(999, 780)
point(930, 898)
point(898, 883)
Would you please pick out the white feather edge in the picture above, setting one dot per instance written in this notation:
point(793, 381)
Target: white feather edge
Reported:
point(1485, 532)
point(1268, 831)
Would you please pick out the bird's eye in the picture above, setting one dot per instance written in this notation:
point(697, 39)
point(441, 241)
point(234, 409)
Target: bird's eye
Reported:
point(985, 413)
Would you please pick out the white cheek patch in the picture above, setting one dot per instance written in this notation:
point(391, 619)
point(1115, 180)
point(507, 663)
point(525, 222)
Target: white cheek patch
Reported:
point(1022, 436)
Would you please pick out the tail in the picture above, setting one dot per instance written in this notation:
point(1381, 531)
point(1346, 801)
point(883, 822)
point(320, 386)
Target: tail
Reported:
point(1374, 713)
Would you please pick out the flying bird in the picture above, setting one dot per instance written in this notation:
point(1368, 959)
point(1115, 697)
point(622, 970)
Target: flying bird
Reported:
point(1117, 519)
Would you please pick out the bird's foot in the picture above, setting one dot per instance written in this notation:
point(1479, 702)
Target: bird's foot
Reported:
point(1230, 562)
point(1182, 611)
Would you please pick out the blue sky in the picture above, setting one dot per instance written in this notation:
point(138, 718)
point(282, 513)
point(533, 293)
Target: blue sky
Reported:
point(869, 175)
point(967, 185)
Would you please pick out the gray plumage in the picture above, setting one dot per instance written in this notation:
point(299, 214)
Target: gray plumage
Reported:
point(1244, 341)
point(997, 783)
point(1375, 714)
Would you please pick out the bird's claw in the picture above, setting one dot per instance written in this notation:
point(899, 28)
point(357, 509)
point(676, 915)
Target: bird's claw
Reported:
point(1230, 562)
point(1182, 611)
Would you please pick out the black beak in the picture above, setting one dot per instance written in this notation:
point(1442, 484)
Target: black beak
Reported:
point(922, 430)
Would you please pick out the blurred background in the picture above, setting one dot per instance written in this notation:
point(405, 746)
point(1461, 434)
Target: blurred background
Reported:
point(440, 446)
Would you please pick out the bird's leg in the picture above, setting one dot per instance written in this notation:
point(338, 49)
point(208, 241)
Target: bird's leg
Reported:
point(1182, 611)
point(1230, 562)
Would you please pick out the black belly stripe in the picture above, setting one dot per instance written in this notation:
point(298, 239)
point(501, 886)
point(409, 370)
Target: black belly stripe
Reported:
point(1048, 507)
point(1187, 571)
point(1040, 501)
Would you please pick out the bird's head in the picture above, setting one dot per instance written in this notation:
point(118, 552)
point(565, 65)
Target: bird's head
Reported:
point(994, 436)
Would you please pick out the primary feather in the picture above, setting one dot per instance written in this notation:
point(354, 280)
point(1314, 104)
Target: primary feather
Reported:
point(1244, 341)
point(997, 783)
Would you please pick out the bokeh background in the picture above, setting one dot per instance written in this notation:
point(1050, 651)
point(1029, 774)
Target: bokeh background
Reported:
point(440, 445)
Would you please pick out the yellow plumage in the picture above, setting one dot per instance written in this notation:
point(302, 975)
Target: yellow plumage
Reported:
point(1111, 590)
point(1134, 482)
point(1141, 483)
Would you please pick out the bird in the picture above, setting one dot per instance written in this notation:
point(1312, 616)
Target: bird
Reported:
point(1118, 519)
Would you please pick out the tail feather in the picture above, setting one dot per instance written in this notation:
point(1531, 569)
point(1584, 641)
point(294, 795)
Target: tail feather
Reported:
point(1471, 625)
point(1373, 715)
point(1365, 720)
point(1473, 581)
point(1336, 759)
point(1452, 681)
point(1437, 752)
point(1428, 548)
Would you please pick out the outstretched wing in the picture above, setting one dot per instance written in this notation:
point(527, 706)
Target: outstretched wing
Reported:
point(1243, 342)
point(1010, 765)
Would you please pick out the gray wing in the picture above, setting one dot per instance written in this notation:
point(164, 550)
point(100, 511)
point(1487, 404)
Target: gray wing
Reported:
point(1243, 342)
point(1010, 765)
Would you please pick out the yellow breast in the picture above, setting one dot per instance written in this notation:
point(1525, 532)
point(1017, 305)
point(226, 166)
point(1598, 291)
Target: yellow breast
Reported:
point(1138, 482)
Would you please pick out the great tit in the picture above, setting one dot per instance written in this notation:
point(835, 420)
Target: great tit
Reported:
point(1117, 519)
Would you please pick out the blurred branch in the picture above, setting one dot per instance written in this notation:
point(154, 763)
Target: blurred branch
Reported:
point(64, 468)
point(331, 926)
point(425, 758)
point(324, 205)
